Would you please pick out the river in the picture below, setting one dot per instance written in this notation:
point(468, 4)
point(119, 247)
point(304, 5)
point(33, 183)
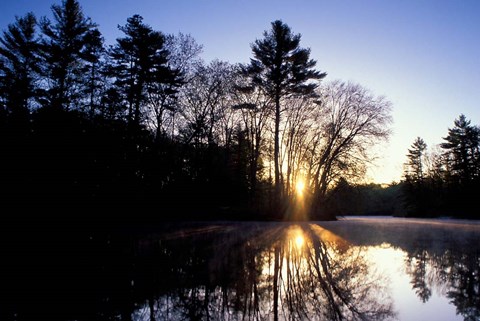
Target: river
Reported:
point(356, 268)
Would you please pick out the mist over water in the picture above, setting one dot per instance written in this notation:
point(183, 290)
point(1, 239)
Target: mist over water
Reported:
point(351, 269)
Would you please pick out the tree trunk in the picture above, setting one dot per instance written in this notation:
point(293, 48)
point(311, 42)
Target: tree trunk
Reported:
point(276, 153)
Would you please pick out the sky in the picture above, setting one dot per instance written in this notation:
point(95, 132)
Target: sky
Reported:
point(422, 55)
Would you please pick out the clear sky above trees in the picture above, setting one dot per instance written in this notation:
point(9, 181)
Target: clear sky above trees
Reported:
point(422, 55)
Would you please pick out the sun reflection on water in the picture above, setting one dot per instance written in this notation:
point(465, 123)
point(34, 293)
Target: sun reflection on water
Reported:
point(309, 265)
point(299, 240)
point(296, 237)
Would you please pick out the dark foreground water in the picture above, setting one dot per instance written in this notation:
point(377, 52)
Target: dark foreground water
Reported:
point(351, 269)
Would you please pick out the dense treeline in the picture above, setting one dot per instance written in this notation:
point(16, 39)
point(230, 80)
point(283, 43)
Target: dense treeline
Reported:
point(364, 199)
point(147, 127)
point(445, 180)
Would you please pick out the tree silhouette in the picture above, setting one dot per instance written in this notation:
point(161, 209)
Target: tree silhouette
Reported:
point(204, 100)
point(139, 64)
point(282, 68)
point(94, 82)
point(255, 108)
point(351, 120)
point(462, 148)
point(417, 189)
point(148, 119)
point(444, 182)
point(416, 159)
point(62, 51)
point(19, 67)
point(461, 165)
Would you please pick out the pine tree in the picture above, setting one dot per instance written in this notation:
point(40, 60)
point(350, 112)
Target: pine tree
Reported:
point(282, 68)
point(93, 83)
point(19, 66)
point(462, 149)
point(62, 49)
point(140, 64)
point(415, 164)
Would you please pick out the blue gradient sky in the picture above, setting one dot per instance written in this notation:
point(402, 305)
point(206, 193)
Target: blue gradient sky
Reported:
point(424, 56)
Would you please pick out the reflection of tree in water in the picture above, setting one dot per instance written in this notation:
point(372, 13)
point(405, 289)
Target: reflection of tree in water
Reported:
point(455, 270)
point(443, 256)
point(277, 273)
point(417, 265)
point(465, 287)
point(331, 280)
point(251, 271)
point(463, 275)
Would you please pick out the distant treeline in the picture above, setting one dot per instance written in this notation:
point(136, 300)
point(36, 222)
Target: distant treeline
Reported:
point(146, 127)
point(444, 181)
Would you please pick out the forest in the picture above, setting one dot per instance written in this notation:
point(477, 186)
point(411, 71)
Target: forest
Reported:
point(145, 130)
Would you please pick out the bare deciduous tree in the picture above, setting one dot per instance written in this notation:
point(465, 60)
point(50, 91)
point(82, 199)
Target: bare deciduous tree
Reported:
point(203, 100)
point(255, 109)
point(351, 120)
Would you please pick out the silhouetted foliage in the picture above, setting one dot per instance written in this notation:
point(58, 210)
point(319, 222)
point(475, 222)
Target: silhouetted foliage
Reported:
point(146, 123)
point(282, 68)
point(94, 82)
point(140, 66)
point(351, 119)
point(62, 49)
point(451, 180)
point(97, 141)
point(371, 199)
point(416, 160)
point(19, 68)
point(462, 150)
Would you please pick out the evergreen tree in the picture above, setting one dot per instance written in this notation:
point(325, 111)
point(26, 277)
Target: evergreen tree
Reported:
point(63, 50)
point(19, 67)
point(416, 156)
point(421, 193)
point(18, 90)
point(462, 160)
point(140, 64)
point(462, 149)
point(282, 68)
point(94, 82)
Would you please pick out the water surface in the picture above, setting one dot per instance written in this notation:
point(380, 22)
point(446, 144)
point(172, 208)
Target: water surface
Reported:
point(351, 269)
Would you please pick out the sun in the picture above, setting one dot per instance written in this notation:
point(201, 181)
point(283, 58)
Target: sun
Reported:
point(300, 187)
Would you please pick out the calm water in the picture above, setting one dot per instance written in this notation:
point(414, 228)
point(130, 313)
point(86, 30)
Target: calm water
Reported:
point(352, 269)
